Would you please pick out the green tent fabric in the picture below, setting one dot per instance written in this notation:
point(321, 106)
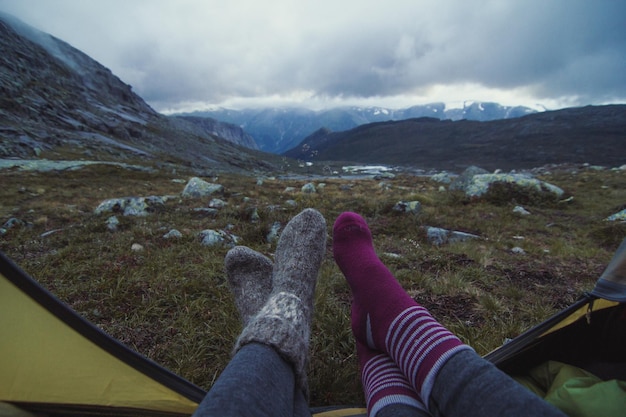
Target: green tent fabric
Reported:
point(575, 391)
point(53, 360)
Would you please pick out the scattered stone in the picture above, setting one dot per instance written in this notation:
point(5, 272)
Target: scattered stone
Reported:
point(392, 255)
point(50, 232)
point(206, 211)
point(438, 236)
point(346, 187)
point(617, 217)
point(518, 251)
point(254, 215)
point(444, 177)
point(197, 187)
point(112, 223)
point(132, 206)
point(413, 207)
point(521, 210)
point(212, 237)
point(289, 190)
point(385, 186)
point(216, 203)
point(385, 175)
point(173, 234)
point(291, 203)
point(442, 189)
point(136, 247)
point(309, 188)
point(10, 224)
point(259, 181)
point(273, 234)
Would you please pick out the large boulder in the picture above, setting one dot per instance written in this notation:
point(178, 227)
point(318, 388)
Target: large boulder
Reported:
point(461, 182)
point(480, 184)
point(197, 188)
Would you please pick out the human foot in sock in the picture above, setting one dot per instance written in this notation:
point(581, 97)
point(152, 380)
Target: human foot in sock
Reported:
point(384, 316)
point(384, 384)
point(284, 322)
point(249, 278)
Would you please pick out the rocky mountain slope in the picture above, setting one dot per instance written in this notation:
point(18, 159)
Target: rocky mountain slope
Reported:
point(593, 134)
point(56, 102)
point(279, 129)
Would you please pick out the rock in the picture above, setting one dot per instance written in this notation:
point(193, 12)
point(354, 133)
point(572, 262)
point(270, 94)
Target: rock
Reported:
point(132, 206)
point(385, 186)
point(444, 177)
point(197, 188)
point(212, 237)
point(617, 217)
point(308, 188)
point(173, 234)
point(291, 203)
point(273, 234)
point(254, 215)
point(10, 224)
point(480, 184)
point(216, 203)
point(438, 236)
point(518, 251)
point(112, 223)
point(289, 190)
point(136, 247)
point(207, 211)
point(521, 210)
point(413, 207)
point(462, 181)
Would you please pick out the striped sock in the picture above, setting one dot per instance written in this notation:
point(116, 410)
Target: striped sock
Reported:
point(383, 382)
point(384, 317)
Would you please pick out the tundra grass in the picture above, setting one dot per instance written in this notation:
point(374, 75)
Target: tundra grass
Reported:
point(170, 300)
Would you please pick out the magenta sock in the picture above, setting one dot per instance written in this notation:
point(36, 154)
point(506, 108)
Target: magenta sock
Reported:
point(383, 382)
point(384, 316)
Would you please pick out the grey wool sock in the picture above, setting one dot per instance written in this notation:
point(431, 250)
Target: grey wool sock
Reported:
point(249, 279)
point(284, 322)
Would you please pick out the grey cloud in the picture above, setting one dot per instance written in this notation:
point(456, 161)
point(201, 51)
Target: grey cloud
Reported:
point(214, 51)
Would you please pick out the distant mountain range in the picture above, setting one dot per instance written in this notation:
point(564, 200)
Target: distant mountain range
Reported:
point(277, 130)
point(591, 134)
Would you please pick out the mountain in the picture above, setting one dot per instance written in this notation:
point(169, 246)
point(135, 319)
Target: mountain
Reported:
point(279, 129)
point(57, 102)
point(592, 134)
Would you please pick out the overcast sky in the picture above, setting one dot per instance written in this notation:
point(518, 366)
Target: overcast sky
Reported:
point(190, 54)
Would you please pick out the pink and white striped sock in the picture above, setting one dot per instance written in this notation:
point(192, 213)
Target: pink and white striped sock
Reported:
point(384, 316)
point(383, 382)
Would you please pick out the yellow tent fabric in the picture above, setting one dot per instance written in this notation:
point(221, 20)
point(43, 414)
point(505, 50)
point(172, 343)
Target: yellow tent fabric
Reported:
point(43, 360)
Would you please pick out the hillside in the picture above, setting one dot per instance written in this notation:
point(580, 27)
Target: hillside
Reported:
point(58, 103)
point(595, 135)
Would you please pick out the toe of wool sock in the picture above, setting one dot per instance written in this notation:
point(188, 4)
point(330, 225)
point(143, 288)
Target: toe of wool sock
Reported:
point(378, 297)
point(249, 278)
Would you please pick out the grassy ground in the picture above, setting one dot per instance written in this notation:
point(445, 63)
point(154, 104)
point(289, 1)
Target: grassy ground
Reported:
point(171, 302)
